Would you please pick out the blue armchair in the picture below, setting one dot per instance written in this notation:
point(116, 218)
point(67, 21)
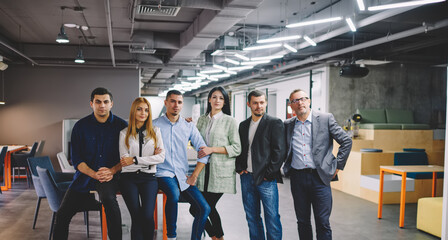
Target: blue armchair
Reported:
point(18, 160)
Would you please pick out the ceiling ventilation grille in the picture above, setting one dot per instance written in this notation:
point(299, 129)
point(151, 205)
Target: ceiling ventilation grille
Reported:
point(142, 50)
point(152, 10)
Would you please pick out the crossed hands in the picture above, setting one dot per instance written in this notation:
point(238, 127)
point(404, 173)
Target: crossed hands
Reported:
point(104, 174)
point(126, 161)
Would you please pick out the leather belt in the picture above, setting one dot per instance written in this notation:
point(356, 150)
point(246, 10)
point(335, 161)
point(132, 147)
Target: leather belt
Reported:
point(306, 170)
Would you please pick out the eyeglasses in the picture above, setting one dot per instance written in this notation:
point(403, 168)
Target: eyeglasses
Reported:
point(303, 99)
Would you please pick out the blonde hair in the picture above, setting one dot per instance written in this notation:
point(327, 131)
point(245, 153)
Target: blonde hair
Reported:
point(132, 128)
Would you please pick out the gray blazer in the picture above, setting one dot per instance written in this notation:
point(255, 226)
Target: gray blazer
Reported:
point(324, 129)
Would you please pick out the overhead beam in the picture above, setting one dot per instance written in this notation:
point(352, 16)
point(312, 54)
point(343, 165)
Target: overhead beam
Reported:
point(109, 31)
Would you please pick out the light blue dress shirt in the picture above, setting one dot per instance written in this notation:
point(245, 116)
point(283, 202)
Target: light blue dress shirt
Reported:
point(175, 141)
point(302, 141)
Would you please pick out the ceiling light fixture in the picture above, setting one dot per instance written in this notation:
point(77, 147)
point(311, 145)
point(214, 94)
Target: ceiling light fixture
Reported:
point(216, 52)
point(209, 71)
point(266, 57)
point(351, 25)
point(240, 68)
point(361, 5)
point(232, 61)
point(230, 72)
point(301, 24)
point(289, 47)
point(219, 67)
point(80, 57)
point(309, 40)
point(255, 62)
point(62, 37)
point(403, 4)
point(279, 39)
point(262, 47)
point(220, 75)
point(242, 57)
point(196, 78)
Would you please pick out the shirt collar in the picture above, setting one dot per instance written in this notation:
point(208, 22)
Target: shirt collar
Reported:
point(309, 118)
point(216, 116)
point(168, 120)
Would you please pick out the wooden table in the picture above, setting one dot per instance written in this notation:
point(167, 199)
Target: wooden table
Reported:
point(7, 169)
point(403, 170)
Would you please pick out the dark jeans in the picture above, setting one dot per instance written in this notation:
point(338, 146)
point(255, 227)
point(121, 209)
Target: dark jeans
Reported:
point(213, 225)
point(74, 202)
point(308, 190)
point(192, 195)
point(139, 191)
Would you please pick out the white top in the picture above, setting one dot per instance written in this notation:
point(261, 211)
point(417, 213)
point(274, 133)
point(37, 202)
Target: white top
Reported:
point(210, 124)
point(147, 162)
point(252, 130)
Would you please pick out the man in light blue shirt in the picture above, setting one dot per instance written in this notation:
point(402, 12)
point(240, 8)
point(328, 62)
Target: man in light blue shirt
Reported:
point(172, 173)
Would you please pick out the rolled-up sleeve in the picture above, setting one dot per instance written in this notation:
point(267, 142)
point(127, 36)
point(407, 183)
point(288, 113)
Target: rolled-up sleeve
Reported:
point(234, 147)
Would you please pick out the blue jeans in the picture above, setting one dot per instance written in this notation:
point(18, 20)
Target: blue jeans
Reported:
point(267, 193)
point(139, 192)
point(192, 195)
point(308, 190)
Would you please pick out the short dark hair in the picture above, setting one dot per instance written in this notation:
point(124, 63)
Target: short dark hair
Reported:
point(255, 93)
point(100, 91)
point(297, 90)
point(171, 92)
point(226, 107)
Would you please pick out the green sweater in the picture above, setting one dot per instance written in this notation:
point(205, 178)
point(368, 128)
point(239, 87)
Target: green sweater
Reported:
point(224, 133)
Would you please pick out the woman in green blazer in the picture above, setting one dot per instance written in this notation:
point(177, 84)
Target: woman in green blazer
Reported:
point(220, 132)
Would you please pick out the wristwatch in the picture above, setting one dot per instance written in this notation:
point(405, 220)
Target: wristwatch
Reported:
point(135, 160)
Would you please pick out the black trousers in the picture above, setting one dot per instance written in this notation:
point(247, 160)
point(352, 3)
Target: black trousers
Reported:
point(74, 202)
point(213, 226)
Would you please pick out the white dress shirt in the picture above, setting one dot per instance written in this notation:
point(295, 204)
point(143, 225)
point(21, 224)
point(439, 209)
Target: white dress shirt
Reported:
point(148, 161)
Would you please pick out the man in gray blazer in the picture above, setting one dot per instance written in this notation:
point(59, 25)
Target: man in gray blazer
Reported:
point(311, 164)
point(263, 151)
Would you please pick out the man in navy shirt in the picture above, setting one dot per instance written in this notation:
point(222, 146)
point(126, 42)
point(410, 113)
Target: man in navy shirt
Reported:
point(96, 159)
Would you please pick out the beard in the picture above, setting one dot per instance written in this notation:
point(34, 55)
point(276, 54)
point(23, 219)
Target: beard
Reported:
point(258, 114)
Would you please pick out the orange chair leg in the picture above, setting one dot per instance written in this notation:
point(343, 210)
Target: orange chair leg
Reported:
point(165, 237)
point(380, 199)
point(434, 184)
point(403, 199)
point(104, 224)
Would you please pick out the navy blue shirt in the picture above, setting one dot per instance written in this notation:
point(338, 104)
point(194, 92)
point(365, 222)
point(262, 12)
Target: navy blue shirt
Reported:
point(95, 144)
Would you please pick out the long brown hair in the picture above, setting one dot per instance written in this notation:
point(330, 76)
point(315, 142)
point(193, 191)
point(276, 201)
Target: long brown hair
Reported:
point(132, 128)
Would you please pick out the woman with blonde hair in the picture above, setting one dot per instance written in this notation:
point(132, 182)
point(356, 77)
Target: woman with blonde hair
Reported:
point(141, 149)
point(220, 132)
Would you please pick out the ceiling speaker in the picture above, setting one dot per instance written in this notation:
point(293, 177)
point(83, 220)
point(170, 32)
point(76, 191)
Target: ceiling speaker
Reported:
point(353, 71)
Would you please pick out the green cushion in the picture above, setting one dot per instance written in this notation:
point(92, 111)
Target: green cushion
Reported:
point(399, 116)
point(379, 126)
point(372, 115)
point(416, 126)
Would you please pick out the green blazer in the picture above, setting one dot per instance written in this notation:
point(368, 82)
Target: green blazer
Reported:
point(224, 133)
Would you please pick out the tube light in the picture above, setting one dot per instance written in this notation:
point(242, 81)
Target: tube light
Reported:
point(196, 78)
point(202, 75)
point(309, 40)
point(279, 39)
point(240, 68)
point(216, 52)
point(287, 46)
point(361, 5)
point(403, 4)
point(255, 62)
point(241, 57)
point(301, 24)
point(351, 25)
point(210, 71)
point(232, 61)
point(266, 58)
point(230, 72)
point(219, 67)
point(262, 47)
point(220, 75)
